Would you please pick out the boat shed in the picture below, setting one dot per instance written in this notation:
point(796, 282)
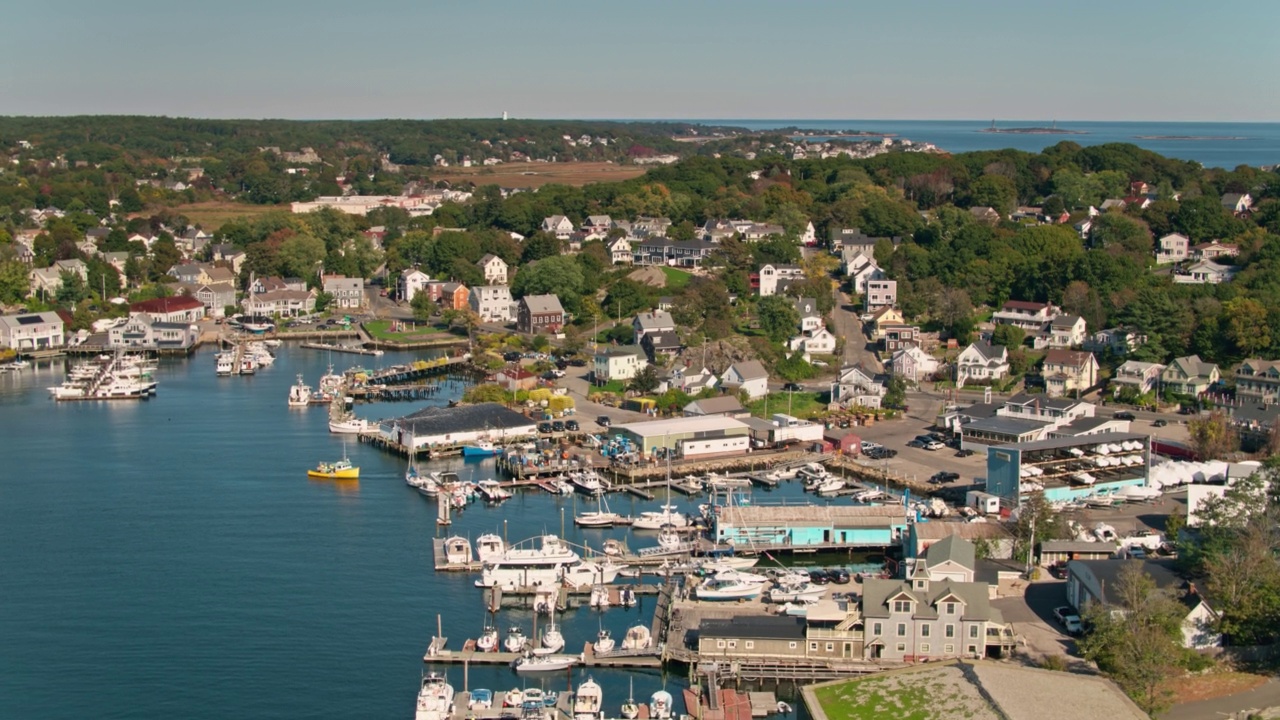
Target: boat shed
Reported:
point(1068, 468)
point(437, 427)
point(1056, 551)
point(745, 636)
point(810, 526)
point(688, 437)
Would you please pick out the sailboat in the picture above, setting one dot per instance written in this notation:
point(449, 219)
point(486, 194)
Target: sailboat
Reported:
point(630, 709)
point(552, 639)
point(601, 517)
point(669, 515)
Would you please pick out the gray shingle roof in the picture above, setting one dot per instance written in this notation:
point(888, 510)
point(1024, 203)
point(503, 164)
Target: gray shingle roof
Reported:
point(951, 548)
point(543, 304)
point(464, 418)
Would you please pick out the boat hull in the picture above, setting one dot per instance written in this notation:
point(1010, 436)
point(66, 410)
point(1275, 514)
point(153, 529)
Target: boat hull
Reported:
point(472, 451)
point(352, 474)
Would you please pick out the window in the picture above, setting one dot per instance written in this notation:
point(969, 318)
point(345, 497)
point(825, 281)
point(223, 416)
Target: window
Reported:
point(902, 629)
point(733, 644)
point(924, 649)
point(876, 629)
point(951, 631)
point(902, 648)
point(751, 645)
point(831, 647)
point(973, 631)
point(813, 647)
point(791, 645)
point(924, 631)
point(949, 649)
point(920, 584)
point(902, 606)
point(951, 608)
point(973, 649)
point(720, 644)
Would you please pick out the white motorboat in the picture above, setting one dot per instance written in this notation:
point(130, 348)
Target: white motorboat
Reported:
point(637, 638)
point(627, 596)
point(299, 393)
point(614, 548)
point(489, 547)
point(492, 491)
point(728, 589)
point(224, 364)
point(552, 639)
point(515, 640)
point(551, 563)
point(655, 519)
point(599, 597)
point(724, 482)
point(588, 701)
point(480, 699)
point(425, 485)
point(731, 562)
point(604, 642)
point(349, 424)
point(830, 486)
point(660, 705)
point(513, 698)
point(531, 663)
point(435, 698)
point(457, 550)
point(795, 593)
point(587, 482)
point(563, 487)
point(669, 539)
point(488, 640)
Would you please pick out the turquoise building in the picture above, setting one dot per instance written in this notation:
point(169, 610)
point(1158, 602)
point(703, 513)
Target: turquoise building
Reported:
point(810, 526)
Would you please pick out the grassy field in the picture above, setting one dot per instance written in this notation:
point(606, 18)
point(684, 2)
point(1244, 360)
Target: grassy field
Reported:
point(676, 279)
point(381, 330)
point(538, 174)
point(941, 695)
point(211, 215)
point(804, 405)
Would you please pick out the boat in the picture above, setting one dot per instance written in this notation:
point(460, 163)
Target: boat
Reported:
point(830, 486)
point(799, 592)
point(724, 482)
point(728, 562)
point(691, 485)
point(338, 470)
point(426, 486)
point(588, 701)
point(552, 639)
point(492, 491)
point(108, 377)
point(513, 698)
point(479, 448)
point(348, 424)
point(614, 548)
point(670, 540)
point(551, 563)
point(435, 698)
point(531, 663)
point(637, 638)
point(604, 642)
point(655, 519)
point(457, 550)
point(224, 364)
point(660, 705)
point(481, 699)
point(489, 547)
point(515, 640)
point(599, 597)
point(630, 710)
point(783, 708)
point(600, 517)
point(812, 474)
point(718, 588)
point(587, 482)
point(532, 696)
point(488, 640)
point(627, 596)
point(19, 364)
point(300, 393)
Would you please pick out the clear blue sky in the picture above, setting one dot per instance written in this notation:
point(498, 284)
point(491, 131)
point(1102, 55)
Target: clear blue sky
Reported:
point(899, 59)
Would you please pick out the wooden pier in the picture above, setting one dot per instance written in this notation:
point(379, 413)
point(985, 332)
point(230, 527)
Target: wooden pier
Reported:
point(334, 347)
point(438, 654)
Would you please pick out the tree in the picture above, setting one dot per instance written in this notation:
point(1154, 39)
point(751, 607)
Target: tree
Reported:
point(423, 306)
point(1010, 336)
point(1212, 437)
point(485, 392)
point(896, 392)
point(994, 191)
point(1247, 325)
point(301, 255)
point(73, 288)
point(14, 284)
point(1037, 522)
point(560, 276)
point(778, 317)
point(645, 381)
point(323, 300)
point(540, 245)
point(541, 343)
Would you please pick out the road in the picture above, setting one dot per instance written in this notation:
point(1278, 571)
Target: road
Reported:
point(847, 324)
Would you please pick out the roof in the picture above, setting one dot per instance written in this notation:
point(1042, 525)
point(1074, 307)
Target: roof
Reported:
point(1043, 401)
point(951, 548)
point(621, 351)
point(1056, 443)
point(683, 426)
point(662, 340)
point(1023, 305)
point(1005, 425)
point(489, 257)
point(710, 406)
point(30, 319)
point(1162, 571)
point(1193, 366)
point(765, 627)
point(750, 370)
point(939, 529)
point(655, 320)
point(543, 304)
point(464, 418)
point(843, 516)
point(177, 303)
point(1065, 320)
point(876, 593)
point(1074, 358)
point(989, 352)
point(1076, 546)
point(1084, 425)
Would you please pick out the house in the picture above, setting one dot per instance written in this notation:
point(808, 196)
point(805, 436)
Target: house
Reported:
point(143, 332)
point(220, 275)
point(913, 364)
point(95, 236)
point(1189, 376)
point(32, 331)
point(651, 227)
point(1088, 581)
point(1172, 248)
point(411, 283)
point(1067, 371)
point(1111, 203)
point(597, 224)
point(45, 281)
point(860, 269)
point(1143, 377)
point(1032, 317)
point(659, 250)
point(810, 317)
point(983, 362)
point(984, 214)
point(747, 376)
point(269, 283)
point(453, 295)
point(176, 309)
point(846, 242)
point(216, 296)
point(883, 318)
point(539, 313)
point(856, 387)
point(190, 273)
point(619, 250)
point(773, 279)
point(1066, 331)
point(282, 302)
point(809, 236)
point(652, 322)
point(895, 337)
point(558, 225)
point(491, 303)
point(938, 611)
point(233, 256)
point(1258, 381)
point(192, 241)
point(726, 405)
point(1120, 341)
point(494, 269)
point(618, 363)
point(881, 293)
point(1084, 228)
point(660, 343)
point(814, 342)
point(688, 379)
point(1213, 250)
point(347, 293)
point(514, 378)
point(756, 232)
point(1205, 272)
point(1237, 203)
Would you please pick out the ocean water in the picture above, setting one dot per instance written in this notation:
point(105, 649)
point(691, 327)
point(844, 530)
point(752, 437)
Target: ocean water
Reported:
point(169, 558)
point(1216, 144)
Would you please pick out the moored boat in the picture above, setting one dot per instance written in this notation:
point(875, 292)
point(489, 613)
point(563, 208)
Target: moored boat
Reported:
point(435, 698)
point(588, 701)
point(479, 448)
point(338, 470)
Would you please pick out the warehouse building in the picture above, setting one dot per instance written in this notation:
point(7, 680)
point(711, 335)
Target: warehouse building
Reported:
point(686, 437)
point(1069, 468)
point(810, 526)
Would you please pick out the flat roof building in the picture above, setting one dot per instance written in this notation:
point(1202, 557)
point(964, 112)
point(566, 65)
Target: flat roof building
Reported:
point(1069, 468)
point(792, 526)
point(701, 436)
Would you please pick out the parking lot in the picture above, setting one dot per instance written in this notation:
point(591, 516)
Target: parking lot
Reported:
point(1032, 617)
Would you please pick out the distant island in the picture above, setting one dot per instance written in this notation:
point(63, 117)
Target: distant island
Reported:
point(1052, 130)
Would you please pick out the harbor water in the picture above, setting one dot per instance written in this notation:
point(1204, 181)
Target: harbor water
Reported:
point(170, 558)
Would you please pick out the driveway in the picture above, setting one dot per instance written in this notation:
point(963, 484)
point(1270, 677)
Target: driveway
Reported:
point(848, 325)
point(1032, 618)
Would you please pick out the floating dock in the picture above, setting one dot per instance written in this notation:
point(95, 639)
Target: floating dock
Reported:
point(333, 347)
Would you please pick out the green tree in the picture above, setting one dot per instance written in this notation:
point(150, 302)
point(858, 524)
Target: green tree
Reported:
point(301, 255)
point(994, 191)
point(14, 284)
point(645, 381)
point(540, 245)
point(72, 290)
point(1247, 325)
point(895, 395)
point(778, 316)
point(1212, 437)
point(560, 276)
point(1036, 522)
point(424, 308)
point(1010, 336)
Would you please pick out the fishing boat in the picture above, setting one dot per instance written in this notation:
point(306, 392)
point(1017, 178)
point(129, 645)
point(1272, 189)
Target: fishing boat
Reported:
point(338, 470)
point(457, 550)
point(531, 663)
point(691, 485)
point(348, 424)
point(488, 640)
point(299, 393)
point(660, 705)
point(492, 491)
point(630, 710)
point(637, 638)
point(587, 482)
point(479, 448)
point(604, 642)
point(599, 597)
point(718, 588)
point(435, 698)
point(489, 547)
point(515, 640)
point(481, 699)
point(588, 701)
point(655, 519)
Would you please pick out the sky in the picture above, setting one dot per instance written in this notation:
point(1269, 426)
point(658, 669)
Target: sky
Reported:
point(695, 59)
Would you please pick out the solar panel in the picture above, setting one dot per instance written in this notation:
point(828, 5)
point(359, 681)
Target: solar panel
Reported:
point(29, 319)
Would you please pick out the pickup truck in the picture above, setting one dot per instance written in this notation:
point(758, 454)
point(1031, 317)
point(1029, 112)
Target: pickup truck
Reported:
point(1068, 619)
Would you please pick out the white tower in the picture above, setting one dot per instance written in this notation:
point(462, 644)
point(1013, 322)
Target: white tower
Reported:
point(504, 114)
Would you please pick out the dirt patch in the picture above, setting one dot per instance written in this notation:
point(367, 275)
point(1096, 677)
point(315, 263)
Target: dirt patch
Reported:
point(539, 174)
point(652, 276)
point(211, 215)
point(1193, 688)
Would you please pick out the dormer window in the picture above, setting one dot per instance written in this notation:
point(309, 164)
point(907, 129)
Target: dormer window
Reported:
point(950, 608)
point(902, 606)
point(922, 584)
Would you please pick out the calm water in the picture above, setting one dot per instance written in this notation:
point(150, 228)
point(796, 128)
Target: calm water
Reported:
point(1254, 143)
point(170, 558)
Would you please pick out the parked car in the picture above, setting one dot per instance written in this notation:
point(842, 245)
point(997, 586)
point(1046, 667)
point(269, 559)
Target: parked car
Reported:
point(917, 443)
point(511, 356)
point(933, 445)
point(868, 446)
point(1125, 415)
point(1060, 613)
point(1137, 552)
point(557, 426)
point(792, 387)
point(839, 576)
point(544, 428)
point(964, 453)
point(1160, 423)
point(604, 421)
point(1072, 625)
point(571, 425)
point(818, 577)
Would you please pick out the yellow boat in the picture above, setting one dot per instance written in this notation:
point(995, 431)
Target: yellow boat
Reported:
point(340, 470)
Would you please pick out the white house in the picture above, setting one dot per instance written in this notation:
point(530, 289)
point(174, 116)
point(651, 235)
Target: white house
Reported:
point(32, 331)
point(810, 317)
point(913, 364)
point(1120, 340)
point(1141, 376)
point(143, 332)
point(175, 309)
point(558, 225)
point(619, 250)
point(982, 361)
point(1032, 317)
point(285, 303)
point(1205, 272)
point(494, 269)
point(862, 269)
point(772, 279)
point(411, 283)
point(46, 281)
point(597, 224)
point(492, 303)
point(856, 387)
point(348, 293)
point(809, 236)
point(658, 321)
point(618, 363)
point(1172, 248)
point(1237, 203)
point(1067, 331)
point(748, 376)
point(1088, 582)
point(818, 342)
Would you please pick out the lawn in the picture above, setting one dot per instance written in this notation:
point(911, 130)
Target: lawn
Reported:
point(613, 386)
point(676, 279)
point(941, 693)
point(804, 405)
point(539, 174)
point(381, 330)
point(213, 214)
